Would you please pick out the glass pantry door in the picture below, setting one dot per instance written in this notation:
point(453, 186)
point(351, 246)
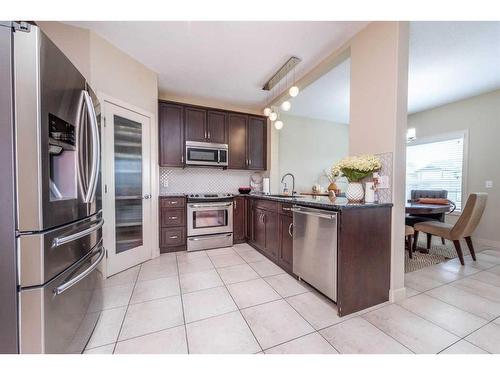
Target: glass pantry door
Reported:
point(127, 188)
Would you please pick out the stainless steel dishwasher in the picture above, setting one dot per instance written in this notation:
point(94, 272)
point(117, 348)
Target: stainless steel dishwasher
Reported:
point(315, 248)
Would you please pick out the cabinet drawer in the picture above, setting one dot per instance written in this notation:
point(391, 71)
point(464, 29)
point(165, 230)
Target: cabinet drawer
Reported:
point(266, 205)
point(285, 209)
point(176, 202)
point(172, 237)
point(172, 217)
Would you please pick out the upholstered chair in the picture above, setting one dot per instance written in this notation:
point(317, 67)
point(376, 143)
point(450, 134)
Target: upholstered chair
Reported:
point(463, 228)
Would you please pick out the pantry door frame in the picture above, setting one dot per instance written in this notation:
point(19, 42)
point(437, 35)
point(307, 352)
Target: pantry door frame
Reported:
point(154, 174)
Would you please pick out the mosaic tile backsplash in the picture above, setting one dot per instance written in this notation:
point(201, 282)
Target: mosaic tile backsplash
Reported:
point(202, 180)
point(384, 195)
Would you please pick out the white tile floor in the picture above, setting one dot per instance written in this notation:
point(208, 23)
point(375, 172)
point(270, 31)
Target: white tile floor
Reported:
point(234, 300)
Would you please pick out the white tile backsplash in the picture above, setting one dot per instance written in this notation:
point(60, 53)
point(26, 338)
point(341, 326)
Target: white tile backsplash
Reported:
point(202, 180)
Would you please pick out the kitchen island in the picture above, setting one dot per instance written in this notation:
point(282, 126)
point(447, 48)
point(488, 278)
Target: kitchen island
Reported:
point(363, 242)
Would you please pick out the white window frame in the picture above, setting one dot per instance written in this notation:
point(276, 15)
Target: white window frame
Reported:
point(465, 157)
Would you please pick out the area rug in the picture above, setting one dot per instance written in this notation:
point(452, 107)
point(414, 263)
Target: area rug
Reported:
point(438, 253)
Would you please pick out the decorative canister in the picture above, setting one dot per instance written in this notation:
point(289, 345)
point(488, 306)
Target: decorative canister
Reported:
point(354, 192)
point(369, 192)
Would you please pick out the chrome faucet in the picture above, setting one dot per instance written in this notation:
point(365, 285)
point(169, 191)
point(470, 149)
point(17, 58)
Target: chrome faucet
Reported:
point(293, 182)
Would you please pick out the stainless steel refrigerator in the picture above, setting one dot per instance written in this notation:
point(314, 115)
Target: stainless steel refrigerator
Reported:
point(56, 196)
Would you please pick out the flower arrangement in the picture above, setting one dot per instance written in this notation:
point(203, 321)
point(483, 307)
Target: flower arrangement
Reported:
point(355, 168)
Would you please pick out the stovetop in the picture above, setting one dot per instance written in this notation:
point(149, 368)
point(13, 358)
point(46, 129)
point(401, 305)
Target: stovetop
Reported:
point(209, 196)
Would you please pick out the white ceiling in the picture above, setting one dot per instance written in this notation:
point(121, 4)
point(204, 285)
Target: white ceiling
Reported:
point(227, 62)
point(327, 98)
point(448, 61)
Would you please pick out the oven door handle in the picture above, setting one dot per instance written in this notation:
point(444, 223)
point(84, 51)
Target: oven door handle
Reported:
point(215, 205)
point(209, 237)
point(62, 288)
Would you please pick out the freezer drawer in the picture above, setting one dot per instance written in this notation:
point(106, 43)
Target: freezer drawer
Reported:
point(55, 318)
point(44, 255)
point(315, 248)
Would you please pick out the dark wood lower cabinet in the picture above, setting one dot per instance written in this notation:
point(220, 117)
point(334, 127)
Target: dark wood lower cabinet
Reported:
point(172, 224)
point(364, 258)
point(285, 255)
point(239, 220)
point(364, 249)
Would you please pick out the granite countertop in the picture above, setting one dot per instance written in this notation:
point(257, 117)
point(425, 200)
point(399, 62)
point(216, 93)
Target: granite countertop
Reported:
point(323, 202)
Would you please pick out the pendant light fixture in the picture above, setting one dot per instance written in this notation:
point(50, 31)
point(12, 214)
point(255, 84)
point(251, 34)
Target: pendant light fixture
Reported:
point(278, 124)
point(285, 106)
point(294, 90)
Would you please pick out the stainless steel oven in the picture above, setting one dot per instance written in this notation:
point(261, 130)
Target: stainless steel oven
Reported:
point(210, 224)
point(206, 154)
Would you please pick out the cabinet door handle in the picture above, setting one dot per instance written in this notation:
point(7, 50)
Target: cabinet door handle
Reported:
point(208, 134)
point(290, 229)
point(249, 161)
point(234, 204)
point(173, 237)
point(172, 217)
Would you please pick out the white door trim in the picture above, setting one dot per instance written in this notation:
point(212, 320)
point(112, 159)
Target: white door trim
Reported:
point(154, 168)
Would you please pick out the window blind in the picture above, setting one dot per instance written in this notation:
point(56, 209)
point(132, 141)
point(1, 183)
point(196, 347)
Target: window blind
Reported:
point(436, 165)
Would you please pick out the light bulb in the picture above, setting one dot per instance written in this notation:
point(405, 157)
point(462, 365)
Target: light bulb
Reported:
point(273, 116)
point(267, 111)
point(294, 91)
point(278, 124)
point(285, 106)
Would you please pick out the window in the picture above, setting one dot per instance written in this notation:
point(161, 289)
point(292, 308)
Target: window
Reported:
point(436, 165)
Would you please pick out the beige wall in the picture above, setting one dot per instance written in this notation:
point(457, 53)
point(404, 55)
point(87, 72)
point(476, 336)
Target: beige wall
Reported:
point(73, 41)
point(108, 69)
point(379, 82)
point(309, 146)
point(480, 115)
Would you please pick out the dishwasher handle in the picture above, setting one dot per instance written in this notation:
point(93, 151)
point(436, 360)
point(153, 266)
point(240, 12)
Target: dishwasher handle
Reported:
point(317, 213)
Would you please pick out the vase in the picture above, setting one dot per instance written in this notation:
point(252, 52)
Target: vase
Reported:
point(355, 192)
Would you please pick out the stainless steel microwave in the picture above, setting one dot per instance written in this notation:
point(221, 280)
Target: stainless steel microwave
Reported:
point(206, 154)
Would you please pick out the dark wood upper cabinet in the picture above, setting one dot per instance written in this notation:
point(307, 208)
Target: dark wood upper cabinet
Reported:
point(171, 134)
point(195, 120)
point(237, 142)
point(246, 135)
point(257, 146)
point(216, 127)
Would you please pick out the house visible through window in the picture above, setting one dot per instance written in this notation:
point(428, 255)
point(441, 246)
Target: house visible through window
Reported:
point(436, 165)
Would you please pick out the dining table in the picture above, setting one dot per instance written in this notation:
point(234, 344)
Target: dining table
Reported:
point(416, 208)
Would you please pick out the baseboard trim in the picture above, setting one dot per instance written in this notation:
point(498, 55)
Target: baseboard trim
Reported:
point(396, 295)
point(486, 242)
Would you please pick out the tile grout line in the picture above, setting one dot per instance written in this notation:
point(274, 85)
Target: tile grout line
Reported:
point(239, 310)
point(182, 304)
point(126, 310)
point(385, 333)
point(298, 313)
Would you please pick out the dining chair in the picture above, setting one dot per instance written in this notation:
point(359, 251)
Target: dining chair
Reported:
point(463, 228)
point(409, 232)
point(415, 195)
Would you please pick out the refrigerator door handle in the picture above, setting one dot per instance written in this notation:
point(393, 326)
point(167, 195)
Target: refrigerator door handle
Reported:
point(96, 148)
point(79, 167)
point(62, 288)
point(58, 241)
